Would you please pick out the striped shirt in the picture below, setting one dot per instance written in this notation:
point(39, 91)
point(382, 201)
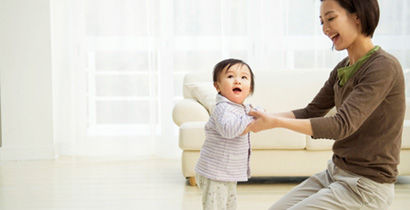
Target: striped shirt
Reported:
point(225, 154)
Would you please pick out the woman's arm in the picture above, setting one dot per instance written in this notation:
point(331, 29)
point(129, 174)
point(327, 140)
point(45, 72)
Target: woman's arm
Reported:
point(289, 115)
point(281, 120)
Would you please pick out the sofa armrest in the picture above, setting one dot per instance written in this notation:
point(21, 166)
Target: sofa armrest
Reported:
point(188, 110)
point(192, 135)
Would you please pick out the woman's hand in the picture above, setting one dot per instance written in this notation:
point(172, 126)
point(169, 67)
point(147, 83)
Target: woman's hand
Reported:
point(262, 121)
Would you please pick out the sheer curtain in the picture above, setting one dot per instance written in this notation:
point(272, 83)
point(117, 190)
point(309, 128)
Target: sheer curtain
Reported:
point(119, 64)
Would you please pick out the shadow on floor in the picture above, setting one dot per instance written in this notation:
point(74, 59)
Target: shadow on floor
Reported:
point(275, 180)
point(299, 179)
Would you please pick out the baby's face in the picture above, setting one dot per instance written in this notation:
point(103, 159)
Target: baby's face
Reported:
point(234, 83)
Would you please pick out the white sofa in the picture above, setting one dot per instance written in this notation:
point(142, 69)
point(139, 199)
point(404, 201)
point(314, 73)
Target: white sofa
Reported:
point(275, 152)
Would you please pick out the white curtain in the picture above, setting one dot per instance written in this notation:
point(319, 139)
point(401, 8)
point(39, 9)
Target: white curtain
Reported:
point(119, 64)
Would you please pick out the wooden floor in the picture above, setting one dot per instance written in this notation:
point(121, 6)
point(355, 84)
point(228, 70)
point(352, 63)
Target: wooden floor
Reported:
point(84, 183)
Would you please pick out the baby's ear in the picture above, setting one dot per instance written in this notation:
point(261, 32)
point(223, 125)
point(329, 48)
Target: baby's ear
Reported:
point(217, 87)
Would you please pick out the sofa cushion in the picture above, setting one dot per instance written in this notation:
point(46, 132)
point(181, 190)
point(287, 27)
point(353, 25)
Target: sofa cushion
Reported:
point(318, 144)
point(203, 92)
point(205, 77)
point(287, 96)
point(192, 136)
point(279, 91)
point(278, 138)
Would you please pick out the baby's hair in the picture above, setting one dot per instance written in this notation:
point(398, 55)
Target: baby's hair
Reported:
point(226, 64)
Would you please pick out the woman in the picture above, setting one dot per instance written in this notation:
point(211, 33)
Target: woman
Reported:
point(367, 89)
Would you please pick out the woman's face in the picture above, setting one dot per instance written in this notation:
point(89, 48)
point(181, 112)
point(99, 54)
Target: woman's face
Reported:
point(339, 25)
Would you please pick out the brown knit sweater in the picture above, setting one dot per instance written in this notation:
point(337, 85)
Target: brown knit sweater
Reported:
point(369, 120)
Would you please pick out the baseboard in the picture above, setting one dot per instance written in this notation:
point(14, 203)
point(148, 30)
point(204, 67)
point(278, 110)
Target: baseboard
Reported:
point(27, 153)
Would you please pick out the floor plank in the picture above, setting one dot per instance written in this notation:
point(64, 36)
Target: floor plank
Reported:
point(102, 183)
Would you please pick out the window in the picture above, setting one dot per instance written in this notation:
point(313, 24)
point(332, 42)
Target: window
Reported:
point(136, 52)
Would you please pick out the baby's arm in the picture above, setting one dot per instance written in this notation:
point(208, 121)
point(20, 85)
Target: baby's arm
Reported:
point(229, 124)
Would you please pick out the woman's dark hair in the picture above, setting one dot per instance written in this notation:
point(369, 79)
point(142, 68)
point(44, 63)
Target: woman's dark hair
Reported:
point(366, 10)
point(226, 64)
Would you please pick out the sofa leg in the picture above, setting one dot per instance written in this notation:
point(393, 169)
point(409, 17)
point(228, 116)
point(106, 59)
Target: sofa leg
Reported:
point(192, 181)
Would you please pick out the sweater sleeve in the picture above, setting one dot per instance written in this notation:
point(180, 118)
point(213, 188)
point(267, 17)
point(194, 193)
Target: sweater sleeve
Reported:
point(322, 102)
point(228, 123)
point(369, 92)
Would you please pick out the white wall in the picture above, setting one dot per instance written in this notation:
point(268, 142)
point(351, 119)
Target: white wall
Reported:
point(26, 86)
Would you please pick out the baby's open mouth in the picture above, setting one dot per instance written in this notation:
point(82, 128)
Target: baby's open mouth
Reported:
point(236, 90)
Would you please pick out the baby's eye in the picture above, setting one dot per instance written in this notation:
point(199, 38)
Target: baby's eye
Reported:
point(230, 76)
point(330, 19)
point(244, 77)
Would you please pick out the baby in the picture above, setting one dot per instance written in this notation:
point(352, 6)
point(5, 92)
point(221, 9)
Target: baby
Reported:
point(224, 156)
